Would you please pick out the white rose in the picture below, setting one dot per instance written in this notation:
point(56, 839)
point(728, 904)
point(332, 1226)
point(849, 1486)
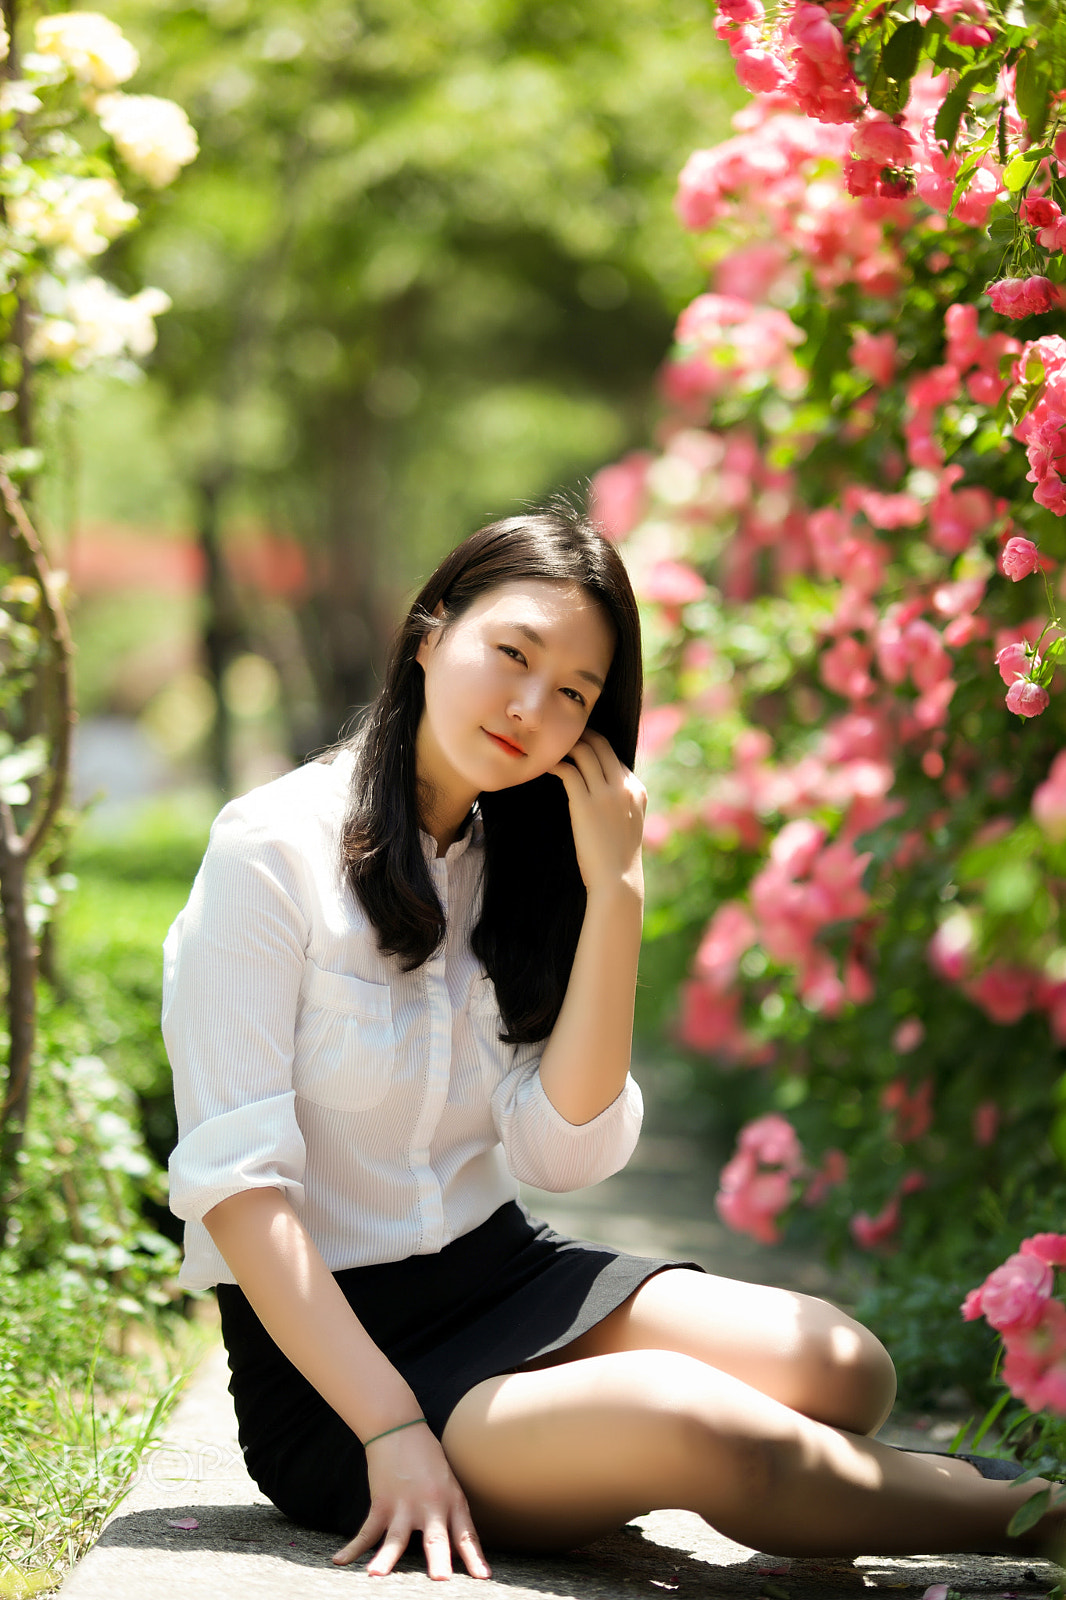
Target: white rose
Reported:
point(153, 136)
point(53, 339)
point(93, 47)
point(97, 203)
point(141, 310)
point(5, 43)
point(98, 323)
point(79, 214)
point(17, 96)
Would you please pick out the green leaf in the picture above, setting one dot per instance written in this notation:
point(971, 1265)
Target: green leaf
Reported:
point(1032, 92)
point(900, 55)
point(946, 126)
point(1028, 1515)
point(989, 1420)
point(982, 75)
point(1020, 168)
point(1001, 231)
point(859, 16)
point(969, 167)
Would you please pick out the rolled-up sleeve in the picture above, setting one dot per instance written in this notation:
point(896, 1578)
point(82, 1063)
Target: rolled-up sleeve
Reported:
point(545, 1150)
point(233, 963)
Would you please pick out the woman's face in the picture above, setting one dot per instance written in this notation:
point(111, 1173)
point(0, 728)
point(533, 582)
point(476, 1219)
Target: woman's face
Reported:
point(509, 686)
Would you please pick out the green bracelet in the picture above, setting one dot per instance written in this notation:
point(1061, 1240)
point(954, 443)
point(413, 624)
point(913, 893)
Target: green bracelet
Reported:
point(400, 1426)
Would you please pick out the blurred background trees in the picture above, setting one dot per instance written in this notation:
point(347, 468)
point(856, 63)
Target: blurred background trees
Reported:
point(423, 271)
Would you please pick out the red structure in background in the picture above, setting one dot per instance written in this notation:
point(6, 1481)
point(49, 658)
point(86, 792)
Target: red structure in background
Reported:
point(109, 558)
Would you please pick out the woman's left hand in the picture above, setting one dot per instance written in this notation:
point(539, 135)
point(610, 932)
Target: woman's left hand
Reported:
point(607, 806)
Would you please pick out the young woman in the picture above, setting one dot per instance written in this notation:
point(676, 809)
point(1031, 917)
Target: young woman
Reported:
point(404, 980)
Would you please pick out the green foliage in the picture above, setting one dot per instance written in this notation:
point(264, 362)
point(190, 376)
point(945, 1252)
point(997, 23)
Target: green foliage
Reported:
point(91, 1354)
point(132, 883)
point(421, 272)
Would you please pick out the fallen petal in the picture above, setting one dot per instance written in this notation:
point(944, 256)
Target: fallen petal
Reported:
point(187, 1523)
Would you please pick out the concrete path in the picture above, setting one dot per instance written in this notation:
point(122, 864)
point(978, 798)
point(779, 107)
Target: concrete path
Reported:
point(242, 1548)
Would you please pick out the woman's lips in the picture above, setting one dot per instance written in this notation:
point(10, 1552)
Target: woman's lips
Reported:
point(507, 745)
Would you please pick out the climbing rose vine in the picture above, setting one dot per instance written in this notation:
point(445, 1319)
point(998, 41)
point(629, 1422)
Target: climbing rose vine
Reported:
point(847, 542)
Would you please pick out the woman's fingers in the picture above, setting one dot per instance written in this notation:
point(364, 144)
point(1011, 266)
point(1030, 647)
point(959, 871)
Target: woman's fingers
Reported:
point(596, 759)
point(468, 1545)
point(369, 1534)
point(396, 1541)
point(395, 1530)
point(437, 1544)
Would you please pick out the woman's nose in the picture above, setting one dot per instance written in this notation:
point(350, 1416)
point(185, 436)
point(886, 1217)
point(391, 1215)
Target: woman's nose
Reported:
point(527, 706)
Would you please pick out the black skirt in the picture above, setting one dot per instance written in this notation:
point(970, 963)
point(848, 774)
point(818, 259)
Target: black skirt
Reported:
point(488, 1303)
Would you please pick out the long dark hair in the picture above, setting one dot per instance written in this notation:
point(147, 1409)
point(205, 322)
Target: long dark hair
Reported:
point(534, 899)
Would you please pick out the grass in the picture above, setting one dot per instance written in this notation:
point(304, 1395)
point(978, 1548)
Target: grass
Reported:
point(86, 1381)
point(70, 1458)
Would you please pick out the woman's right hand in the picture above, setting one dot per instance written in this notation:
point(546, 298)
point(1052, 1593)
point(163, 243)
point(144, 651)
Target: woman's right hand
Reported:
point(412, 1486)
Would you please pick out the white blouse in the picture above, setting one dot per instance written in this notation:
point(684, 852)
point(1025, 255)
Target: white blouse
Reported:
point(382, 1102)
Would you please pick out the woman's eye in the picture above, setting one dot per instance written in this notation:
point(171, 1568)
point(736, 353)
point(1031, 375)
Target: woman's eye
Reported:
point(576, 697)
point(515, 655)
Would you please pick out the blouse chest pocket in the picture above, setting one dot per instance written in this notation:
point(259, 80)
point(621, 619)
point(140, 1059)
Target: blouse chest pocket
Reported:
point(486, 1023)
point(345, 1040)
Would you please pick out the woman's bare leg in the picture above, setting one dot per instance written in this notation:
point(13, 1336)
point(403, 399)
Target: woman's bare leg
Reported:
point(795, 1348)
point(552, 1458)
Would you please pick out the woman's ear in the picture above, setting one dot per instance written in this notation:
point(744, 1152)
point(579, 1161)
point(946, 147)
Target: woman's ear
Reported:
point(425, 644)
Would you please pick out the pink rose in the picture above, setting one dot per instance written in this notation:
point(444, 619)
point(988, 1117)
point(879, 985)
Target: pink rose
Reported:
point(730, 932)
point(760, 71)
point(951, 946)
point(1004, 993)
point(1013, 661)
point(1019, 558)
point(619, 495)
point(883, 142)
point(869, 1231)
point(672, 583)
point(772, 1140)
point(985, 1124)
point(875, 354)
point(659, 725)
point(971, 35)
point(1049, 800)
point(1022, 297)
point(1040, 211)
point(1014, 1295)
point(833, 1171)
point(1033, 1353)
point(908, 1035)
point(796, 846)
point(750, 1201)
point(1027, 699)
point(971, 1306)
point(710, 1020)
point(1048, 1247)
point(741, 10)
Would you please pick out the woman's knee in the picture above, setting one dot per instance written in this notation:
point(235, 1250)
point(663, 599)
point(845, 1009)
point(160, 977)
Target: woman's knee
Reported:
point(849, 1375)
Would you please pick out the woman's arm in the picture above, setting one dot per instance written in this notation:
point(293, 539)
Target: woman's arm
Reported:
point(301, 1306)
point(585, 1062)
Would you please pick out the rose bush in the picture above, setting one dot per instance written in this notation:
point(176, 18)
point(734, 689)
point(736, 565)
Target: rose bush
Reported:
point(847, 543)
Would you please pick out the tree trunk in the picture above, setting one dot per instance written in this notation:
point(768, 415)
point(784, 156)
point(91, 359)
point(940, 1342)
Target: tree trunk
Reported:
point(343, 626)
point(223, 634)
